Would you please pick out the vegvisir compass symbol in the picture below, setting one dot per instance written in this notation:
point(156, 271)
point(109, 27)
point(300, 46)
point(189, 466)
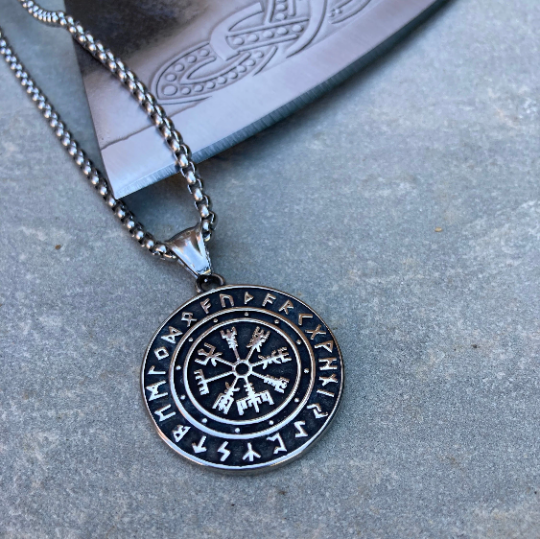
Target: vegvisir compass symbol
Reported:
point(244, 371)
point(242, 378)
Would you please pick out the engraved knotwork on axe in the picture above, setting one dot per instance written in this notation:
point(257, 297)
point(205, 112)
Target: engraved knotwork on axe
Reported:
point(263, 34)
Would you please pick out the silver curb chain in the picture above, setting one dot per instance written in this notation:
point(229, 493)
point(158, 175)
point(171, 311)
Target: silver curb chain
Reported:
point(165, 126)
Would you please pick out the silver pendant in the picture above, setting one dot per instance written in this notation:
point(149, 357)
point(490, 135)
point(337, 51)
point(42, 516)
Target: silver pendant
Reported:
point(242, 378)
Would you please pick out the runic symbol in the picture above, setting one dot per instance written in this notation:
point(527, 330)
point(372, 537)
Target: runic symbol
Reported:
point(316, 331)
point(277, 438)
point(172, 335)
point(328, 379)
point(230, 337)
point(210, 355)
point(251, 454)
point(224, 452)
point(179, 432)
point(258, 338)
point(253, 399)
point(279, 356)
point(224, 401)
point(300, 431)
point(199, 448)
point(279, 384)
point(317, 410)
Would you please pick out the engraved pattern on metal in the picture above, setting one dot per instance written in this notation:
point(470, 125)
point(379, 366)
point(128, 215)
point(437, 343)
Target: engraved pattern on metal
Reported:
point(280, 66)
point(250, 40)
point(242, 378)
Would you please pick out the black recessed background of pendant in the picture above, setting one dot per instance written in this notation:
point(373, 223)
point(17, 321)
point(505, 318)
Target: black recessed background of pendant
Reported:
point(253, 428)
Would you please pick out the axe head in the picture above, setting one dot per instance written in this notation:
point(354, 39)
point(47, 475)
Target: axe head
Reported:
point(223, 70)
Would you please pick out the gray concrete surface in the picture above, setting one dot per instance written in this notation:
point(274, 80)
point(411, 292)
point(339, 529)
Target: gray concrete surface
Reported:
point(438, 434)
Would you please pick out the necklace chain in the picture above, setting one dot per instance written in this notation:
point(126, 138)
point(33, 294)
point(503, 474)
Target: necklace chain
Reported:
point(165, 126)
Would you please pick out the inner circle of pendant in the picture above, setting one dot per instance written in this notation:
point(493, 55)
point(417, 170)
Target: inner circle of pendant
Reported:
point(242, 371)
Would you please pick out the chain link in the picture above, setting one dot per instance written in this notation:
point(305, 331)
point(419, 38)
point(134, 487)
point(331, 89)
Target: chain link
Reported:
point(148, 103)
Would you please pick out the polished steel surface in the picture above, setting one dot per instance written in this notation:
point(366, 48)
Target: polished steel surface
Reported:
point(190, 248)
point(187, 247)
point(225, 70)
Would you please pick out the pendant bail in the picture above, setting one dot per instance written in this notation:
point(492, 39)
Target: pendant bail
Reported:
point(190, 248)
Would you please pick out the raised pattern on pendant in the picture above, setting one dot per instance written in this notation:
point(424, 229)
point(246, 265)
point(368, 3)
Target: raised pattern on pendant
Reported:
point(242, 378)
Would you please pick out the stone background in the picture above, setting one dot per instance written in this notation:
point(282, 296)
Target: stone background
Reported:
point(438, 434)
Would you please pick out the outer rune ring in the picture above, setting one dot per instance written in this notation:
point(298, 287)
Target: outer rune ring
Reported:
point(242, 378)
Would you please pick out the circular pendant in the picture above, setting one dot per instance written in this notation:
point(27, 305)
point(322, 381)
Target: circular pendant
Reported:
point(242, 378)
